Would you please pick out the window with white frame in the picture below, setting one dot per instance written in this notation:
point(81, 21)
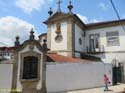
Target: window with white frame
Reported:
point(94, 40)
point(113, 38)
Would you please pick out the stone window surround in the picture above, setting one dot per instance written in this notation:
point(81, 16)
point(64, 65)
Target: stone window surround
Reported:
point(25, 54)
point(98, 38)
point(118, 43)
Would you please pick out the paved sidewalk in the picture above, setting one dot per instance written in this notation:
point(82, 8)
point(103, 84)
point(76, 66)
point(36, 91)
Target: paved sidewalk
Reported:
point(112, 89)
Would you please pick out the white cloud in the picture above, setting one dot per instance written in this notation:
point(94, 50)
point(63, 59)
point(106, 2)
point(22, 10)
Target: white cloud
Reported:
point(85, 19)
point(30, 5)
point(94, 20)
point(103, 6)
point(11, 27)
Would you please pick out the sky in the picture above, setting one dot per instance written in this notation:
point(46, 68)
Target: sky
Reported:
point(17, 17)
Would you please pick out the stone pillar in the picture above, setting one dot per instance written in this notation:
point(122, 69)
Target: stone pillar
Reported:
point(49, 36)
point(15, 71)
point(44, 89)
point(15, 66)
point(70, 38)
point(122, 72)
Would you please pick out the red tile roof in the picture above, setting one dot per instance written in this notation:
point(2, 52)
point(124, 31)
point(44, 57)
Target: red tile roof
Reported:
point(59, 58)
point(6, 48)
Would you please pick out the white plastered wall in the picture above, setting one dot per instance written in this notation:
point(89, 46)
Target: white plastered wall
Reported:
point(116, 52)
point(63, 44)
point(73, 76)
point(64, 76)
point(5, 77)
point(79, 33)
point(103, 38)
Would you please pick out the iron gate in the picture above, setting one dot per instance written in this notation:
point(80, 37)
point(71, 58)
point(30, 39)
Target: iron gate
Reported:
point(117, 75)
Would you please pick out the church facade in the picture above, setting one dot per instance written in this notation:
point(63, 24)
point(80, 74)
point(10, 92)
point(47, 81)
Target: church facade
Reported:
point(68, 35)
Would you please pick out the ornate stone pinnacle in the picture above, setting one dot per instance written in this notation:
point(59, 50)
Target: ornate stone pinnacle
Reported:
point(32, 34)
point(17, 41)
point(44, 40)
point(70, 6)
point(45, 45)
point(50, 12)
point(17, 38)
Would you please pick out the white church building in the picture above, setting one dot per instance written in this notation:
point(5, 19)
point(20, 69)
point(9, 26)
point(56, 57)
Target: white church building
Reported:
point(68, 35)
point(79, 55)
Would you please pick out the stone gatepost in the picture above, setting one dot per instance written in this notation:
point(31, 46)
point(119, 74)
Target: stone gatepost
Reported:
point(29, 61)
point(122, 72)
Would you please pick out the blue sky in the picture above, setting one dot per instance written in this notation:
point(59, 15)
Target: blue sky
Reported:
point(17, 17)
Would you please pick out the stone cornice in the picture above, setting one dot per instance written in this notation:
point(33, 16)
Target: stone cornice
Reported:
point(56, 17)
point(64, 16)
point(29, 42)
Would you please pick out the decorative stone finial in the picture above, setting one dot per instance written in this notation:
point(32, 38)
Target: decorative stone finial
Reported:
point(44, 40)
point(17, 38)
point(59, 2)
point(17, 41)
point(32, 34)
point(45, 45)
point(50, 12)
point(70, 6)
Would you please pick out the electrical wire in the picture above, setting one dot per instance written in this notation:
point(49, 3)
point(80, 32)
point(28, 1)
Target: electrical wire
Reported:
point(116, 11)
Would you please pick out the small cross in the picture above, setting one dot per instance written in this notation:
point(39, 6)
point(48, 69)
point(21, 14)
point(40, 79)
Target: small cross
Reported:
point(59, 2)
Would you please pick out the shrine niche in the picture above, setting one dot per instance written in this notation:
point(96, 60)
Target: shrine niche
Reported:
point(58, 28)
point(29, 58)
point(58, 37)
point(30, 66)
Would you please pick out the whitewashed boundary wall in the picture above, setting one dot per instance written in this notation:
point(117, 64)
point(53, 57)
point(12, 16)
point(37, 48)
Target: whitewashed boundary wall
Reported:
point(5, 77)
point(65, 76)
point(73, 76)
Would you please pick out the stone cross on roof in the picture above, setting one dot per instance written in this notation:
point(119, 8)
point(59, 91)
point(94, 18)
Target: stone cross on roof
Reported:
point(59, 2)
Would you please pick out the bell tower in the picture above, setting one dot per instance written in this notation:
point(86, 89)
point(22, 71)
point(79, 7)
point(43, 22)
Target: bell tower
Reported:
point(60, 28)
